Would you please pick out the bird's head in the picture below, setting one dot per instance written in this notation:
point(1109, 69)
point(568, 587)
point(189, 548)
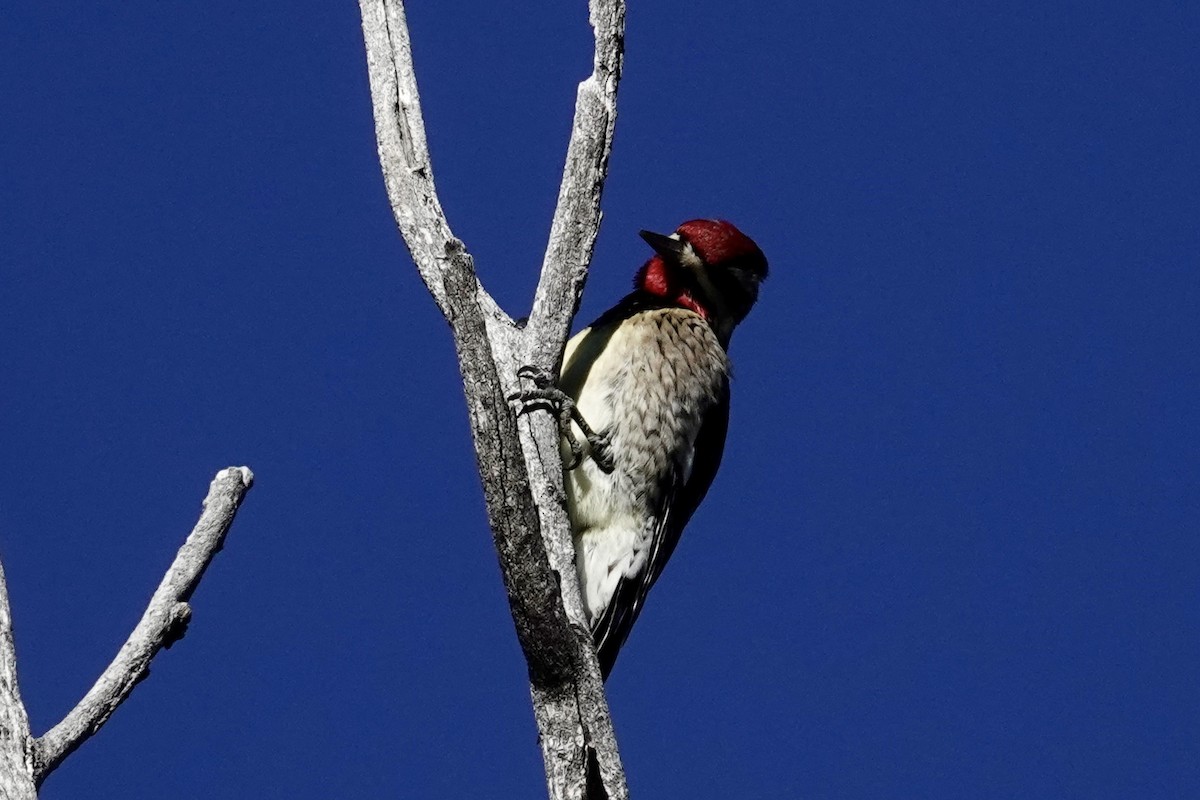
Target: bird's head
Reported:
point(708, 266)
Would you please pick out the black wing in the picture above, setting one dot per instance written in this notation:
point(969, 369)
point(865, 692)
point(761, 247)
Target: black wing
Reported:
point(677, 501)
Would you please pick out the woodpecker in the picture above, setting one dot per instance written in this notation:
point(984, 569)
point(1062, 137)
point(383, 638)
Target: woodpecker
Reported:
point(646, 386)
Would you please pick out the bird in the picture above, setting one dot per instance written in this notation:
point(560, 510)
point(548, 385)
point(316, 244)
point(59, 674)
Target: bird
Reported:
point(646, 387)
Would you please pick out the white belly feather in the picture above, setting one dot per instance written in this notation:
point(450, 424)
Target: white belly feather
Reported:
point(648, 388)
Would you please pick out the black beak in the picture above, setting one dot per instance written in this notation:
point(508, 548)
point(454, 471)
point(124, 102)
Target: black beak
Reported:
point(665, 246)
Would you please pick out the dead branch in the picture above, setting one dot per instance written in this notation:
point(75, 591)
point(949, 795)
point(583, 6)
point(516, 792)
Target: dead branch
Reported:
point(519, 465)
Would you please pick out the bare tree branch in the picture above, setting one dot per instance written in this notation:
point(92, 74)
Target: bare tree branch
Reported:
point(16, 773)
point(521, 469)
point(533, 591)
point(562, 710)
point(162, 624)
point(403, 150)
point(577, 215)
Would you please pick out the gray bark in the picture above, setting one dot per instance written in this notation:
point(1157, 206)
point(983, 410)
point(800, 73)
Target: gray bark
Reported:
point(26, 761)
point(519, 463)
point(16, 745)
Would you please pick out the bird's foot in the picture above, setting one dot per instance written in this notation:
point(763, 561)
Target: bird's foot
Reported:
point(546, 395)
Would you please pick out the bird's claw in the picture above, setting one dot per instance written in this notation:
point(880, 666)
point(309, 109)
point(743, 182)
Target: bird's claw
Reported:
point(546, 395)
point(541, 379)
point(601, 452)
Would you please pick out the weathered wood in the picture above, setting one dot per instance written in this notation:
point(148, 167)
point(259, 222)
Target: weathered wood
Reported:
point(519, 464)
point(16, 745)
point(163, 623)
point(25, 761)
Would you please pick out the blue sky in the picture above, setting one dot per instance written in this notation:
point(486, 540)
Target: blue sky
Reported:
point(952, 550)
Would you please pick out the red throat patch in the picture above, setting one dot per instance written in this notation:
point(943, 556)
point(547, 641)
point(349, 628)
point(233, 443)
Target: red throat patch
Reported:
point(658, 279)
point(655, 278)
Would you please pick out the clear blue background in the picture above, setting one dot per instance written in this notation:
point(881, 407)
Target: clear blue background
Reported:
point(953, 549)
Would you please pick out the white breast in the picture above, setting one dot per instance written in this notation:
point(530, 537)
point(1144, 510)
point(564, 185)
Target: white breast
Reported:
point(646, 382)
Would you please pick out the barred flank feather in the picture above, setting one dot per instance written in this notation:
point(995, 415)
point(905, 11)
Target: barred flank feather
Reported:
point(655, 380)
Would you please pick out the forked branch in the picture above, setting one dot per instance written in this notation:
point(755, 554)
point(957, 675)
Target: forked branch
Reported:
point(519, 464)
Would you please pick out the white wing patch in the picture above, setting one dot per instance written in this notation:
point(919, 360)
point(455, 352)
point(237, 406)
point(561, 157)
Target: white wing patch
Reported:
point(605, 556)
